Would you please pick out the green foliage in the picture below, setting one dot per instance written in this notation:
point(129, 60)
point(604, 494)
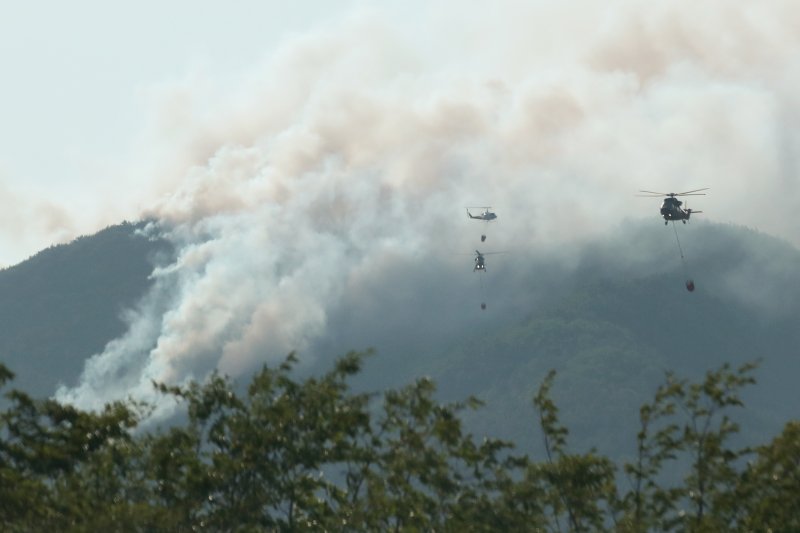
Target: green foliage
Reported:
point(700, 438)
point(289, 454)
point(768, 497)
point(5, 375)
point(578, 484)
point(44, 446)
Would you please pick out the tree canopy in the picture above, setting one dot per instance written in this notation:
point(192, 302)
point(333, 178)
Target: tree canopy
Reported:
point(293, 454)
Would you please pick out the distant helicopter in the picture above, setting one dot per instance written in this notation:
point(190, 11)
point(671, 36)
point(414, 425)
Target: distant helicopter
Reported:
point(480, 261)
point(480, 266)
point(485, 215)
point(671, 206)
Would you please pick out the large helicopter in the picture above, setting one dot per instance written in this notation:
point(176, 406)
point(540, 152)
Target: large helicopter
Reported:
point(671, 207)
point(485, 215)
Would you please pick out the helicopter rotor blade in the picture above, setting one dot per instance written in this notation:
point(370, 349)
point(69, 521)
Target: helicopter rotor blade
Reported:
point(656, 193)
point(686, 193)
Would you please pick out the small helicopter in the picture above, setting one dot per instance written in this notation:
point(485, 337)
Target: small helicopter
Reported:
point(485, 215)
point(671, 206)
point(480, 261)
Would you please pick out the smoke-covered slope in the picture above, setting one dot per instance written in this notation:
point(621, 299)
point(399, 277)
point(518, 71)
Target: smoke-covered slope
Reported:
point(614, 325)
point(611, 317)
point(66, 302)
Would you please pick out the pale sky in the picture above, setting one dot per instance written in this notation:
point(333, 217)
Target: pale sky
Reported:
point(91, 90)
point(77, 78)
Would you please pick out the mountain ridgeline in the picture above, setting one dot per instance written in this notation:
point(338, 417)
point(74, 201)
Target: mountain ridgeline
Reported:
point(610, 324)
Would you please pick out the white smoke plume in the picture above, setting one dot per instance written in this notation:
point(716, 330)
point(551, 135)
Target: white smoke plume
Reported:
point(348, 156)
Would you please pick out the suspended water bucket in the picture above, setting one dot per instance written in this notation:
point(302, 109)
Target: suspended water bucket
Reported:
point(690, 285)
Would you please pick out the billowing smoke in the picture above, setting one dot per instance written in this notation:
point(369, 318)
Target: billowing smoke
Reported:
point(337, 172)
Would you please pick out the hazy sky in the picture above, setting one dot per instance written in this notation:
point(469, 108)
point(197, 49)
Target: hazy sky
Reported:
point(301, 155)
point(90, 87)
point(81, 81)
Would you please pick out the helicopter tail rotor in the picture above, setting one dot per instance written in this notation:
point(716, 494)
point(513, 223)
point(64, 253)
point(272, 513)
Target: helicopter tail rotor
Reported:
point(690, 212)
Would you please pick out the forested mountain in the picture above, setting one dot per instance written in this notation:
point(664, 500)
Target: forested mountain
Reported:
point(616, 323)
point(66, 302)
point(611, 325)
point(609, 353)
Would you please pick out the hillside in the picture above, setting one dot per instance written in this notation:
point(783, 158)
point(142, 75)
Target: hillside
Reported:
point(618, 325)
point(611, 324)
point(64, 304)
